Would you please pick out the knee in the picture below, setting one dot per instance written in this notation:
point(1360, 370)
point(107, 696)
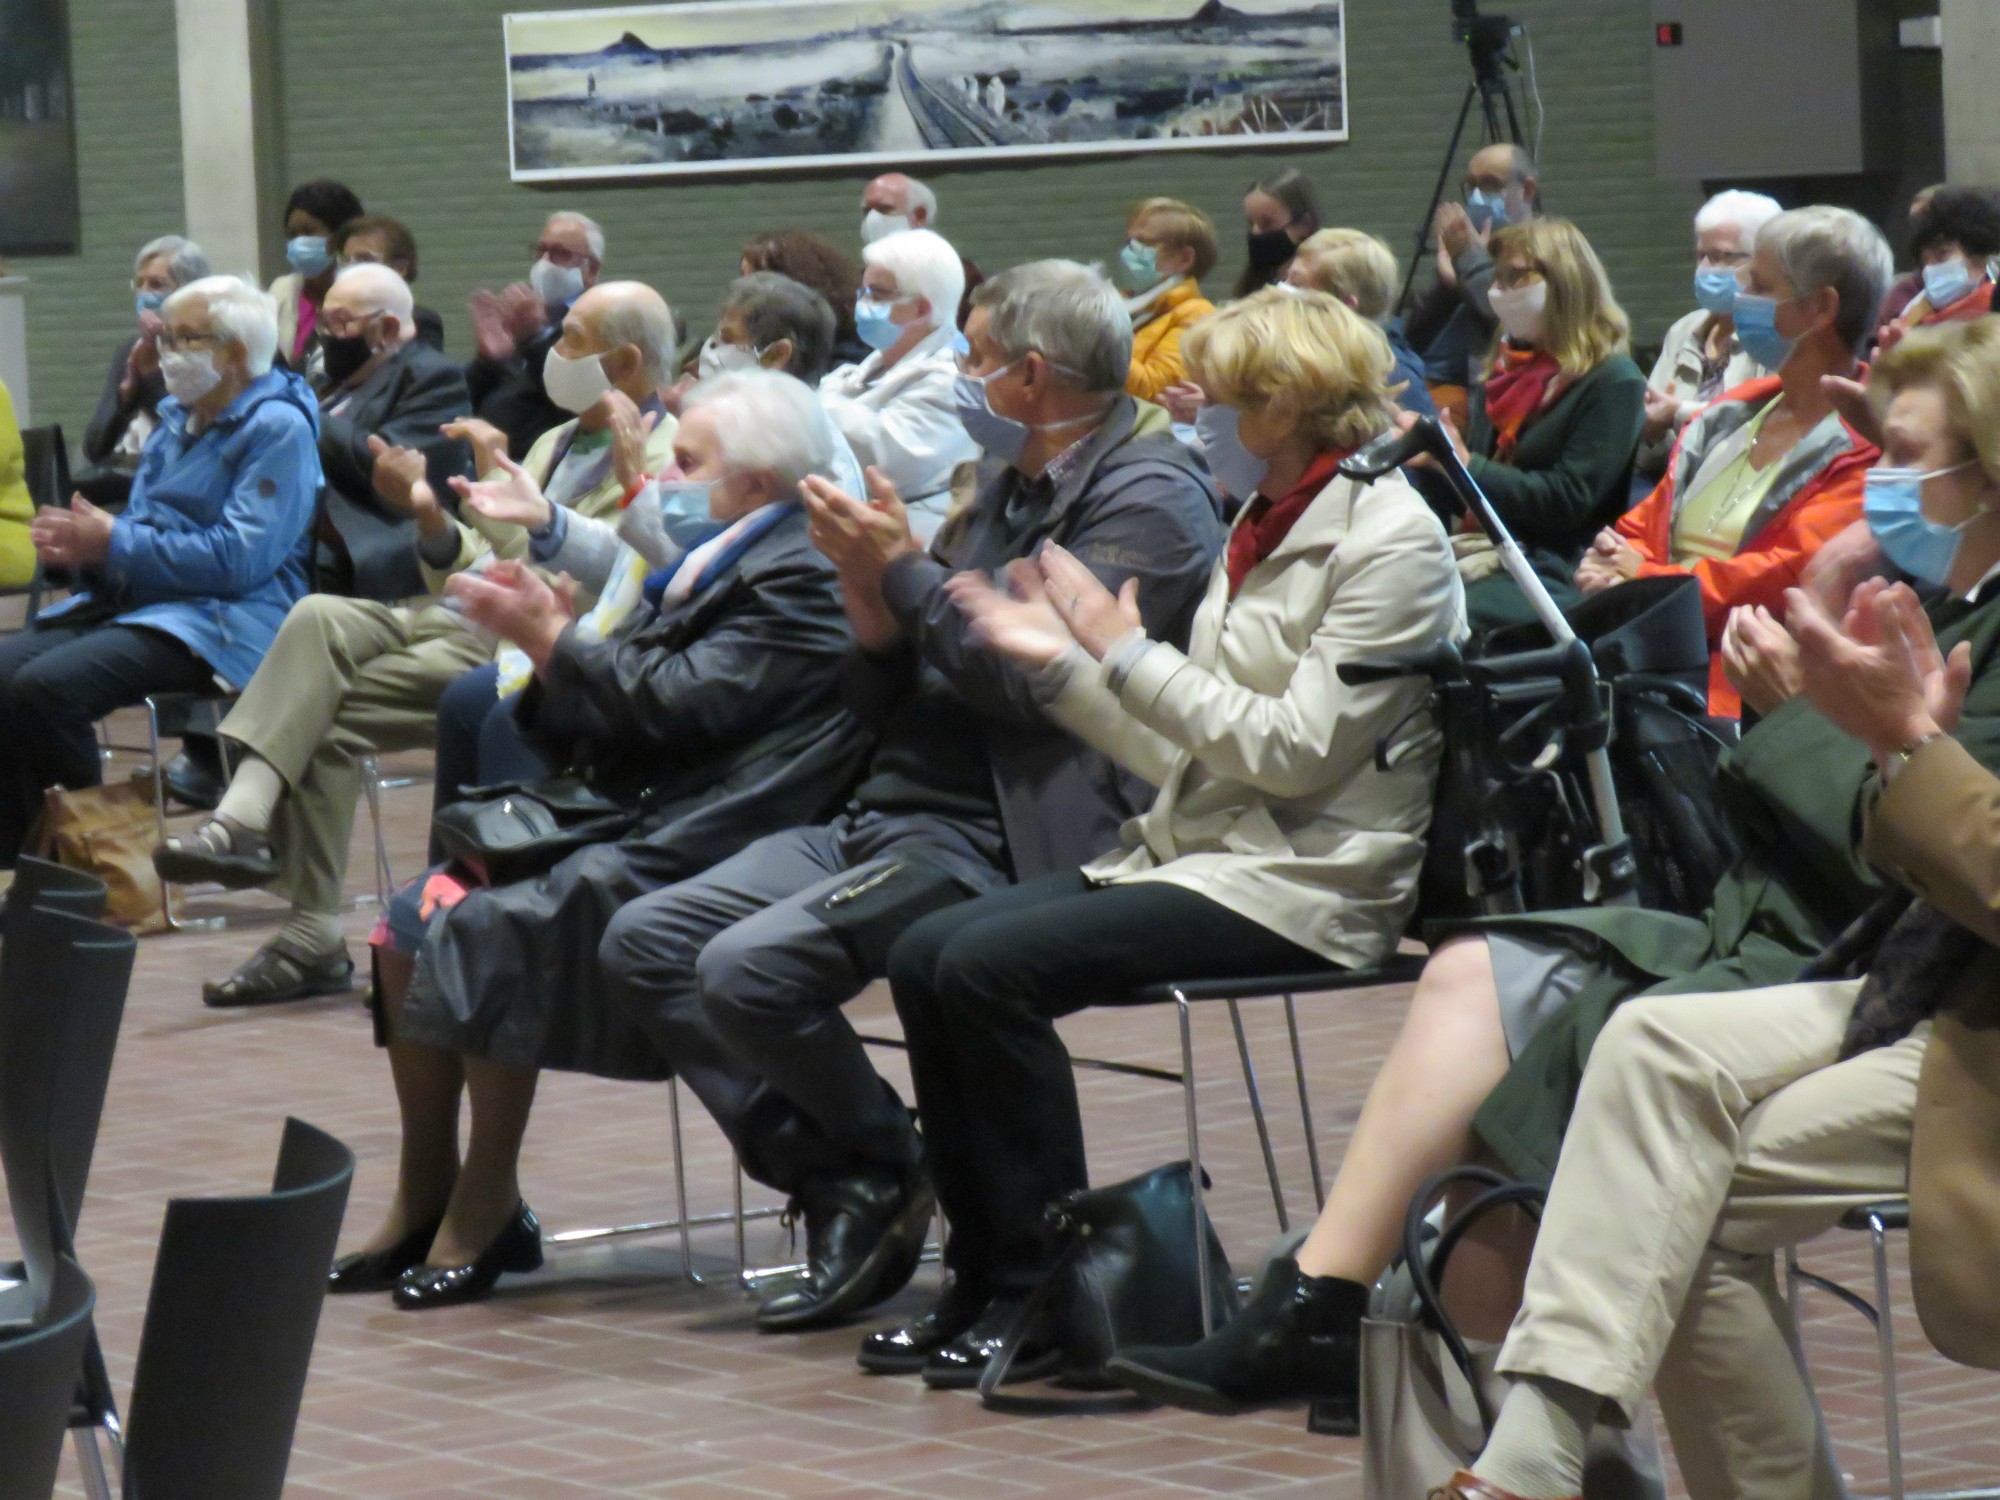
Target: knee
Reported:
point(643, 952)
point(1457, 980)
point(37, 692)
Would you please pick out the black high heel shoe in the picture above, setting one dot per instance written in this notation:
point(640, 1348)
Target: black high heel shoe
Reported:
point(380, 1270)
point(518, 1247)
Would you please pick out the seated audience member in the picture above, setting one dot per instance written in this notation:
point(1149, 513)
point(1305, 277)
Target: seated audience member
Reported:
point(895, 201)
point(184, 590)
point(714, 712)
point(1701, 356)
point(1169, 247)
point(312, 214)
point(808, 259)
point(896, 408)
point(515, 330)
point(129, 405)
point(377, 239)
point(1711, 1131)
point(1360, 270)
point(1769, 473)
point(770, 322)
point(1556, 416)
point(970, 781)
point(380, 385)
point(1907, 288)
point(1279, 212)
point(1453, 323)
point(1956, 239)
point(1505, 1015)
point(1276, 844)
point(17, 506)
point(349, 677)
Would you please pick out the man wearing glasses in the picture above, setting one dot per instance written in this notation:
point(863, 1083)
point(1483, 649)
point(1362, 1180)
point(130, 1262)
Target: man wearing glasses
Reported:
point(516, 328)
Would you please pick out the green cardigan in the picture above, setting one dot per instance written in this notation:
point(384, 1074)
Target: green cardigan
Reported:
point(1794, 791)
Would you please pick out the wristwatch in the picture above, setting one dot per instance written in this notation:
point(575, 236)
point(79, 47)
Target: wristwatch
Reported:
point(1902, 755)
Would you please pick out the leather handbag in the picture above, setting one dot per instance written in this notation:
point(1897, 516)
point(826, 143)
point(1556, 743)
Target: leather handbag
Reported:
point(1429, 1396)
point(110, 832)
point(1126, 1274)
point(516, 830)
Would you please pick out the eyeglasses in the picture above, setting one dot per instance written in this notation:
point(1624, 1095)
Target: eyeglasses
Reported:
point(877, 295)
point(560, 255)
point(1729, 258)
point(180, 343)
point(1507, 278)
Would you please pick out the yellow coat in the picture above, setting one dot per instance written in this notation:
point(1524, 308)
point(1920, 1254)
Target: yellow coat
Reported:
point(17, 553)
point(1156, 343)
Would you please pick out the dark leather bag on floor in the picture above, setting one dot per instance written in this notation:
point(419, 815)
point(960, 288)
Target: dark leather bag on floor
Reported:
point(1126, 1274)
point(516, 830)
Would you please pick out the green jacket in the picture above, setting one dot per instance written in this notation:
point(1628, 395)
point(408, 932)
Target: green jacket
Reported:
point(1794, 792)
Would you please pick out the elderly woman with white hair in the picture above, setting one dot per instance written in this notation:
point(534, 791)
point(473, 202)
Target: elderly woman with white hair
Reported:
point(710, 717)
point(1701, 356)
point(896, 406)
point(188, 586)
point(128, 406)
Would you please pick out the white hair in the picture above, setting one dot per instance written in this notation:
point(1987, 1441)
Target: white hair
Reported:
point(633, 313)
point(919, 195)
point(593, 235)
point(1822, 246)
point(383, 288)
point(924, 265)
point(769, 422)
point(1749, 212)
point(1067, 312)
point(237, 309)
point(185, 259)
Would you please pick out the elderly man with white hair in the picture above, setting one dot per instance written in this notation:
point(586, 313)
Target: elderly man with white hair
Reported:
point(713, 715)
point(896, 406)
point(349, 677)
point(514, 329)
point(186, 588)
point(1701, 356)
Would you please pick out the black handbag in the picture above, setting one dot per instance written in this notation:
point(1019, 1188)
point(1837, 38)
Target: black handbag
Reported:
point(515, 830)
point(1126, 1274)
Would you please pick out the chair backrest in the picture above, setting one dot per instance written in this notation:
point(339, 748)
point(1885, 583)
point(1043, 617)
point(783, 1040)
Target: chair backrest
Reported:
point(43, 882)
point(38, 1371)
point(62, 996)
point(46, 460)
point(229, 1330)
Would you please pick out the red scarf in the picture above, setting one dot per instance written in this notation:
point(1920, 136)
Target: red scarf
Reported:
point(1265, 522)
point(1518, 388)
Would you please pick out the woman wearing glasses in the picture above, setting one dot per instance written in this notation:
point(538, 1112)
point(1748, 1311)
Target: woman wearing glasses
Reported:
point(185, 589)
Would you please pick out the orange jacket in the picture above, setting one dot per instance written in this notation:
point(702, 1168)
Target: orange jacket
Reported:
point(1766, 564)
point(1156, 343)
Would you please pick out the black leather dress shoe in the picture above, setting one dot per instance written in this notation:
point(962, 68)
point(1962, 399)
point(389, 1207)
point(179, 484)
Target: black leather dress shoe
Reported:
point(864, 1238)
point(194, 777)
point(959, 1364)
point(518, 1247)
point(903, 1349)
point(380, 1270)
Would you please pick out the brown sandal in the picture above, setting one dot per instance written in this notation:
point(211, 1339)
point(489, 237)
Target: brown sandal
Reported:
point(274, 974)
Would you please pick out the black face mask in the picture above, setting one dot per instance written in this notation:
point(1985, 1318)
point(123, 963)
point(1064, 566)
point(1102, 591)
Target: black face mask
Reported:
point(1270, 249)
point(342, 357)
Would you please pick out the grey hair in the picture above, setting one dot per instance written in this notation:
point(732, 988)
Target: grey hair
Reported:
point(636, 314)
point(384, 288)
point(924, 265)
point(1068, 313)
point(593, 234)
point(920, 195)
point(1823, 246)
point(1749, 212)
point(238, 309)
point(770, 423)
point(186, 261)
point(776, 307)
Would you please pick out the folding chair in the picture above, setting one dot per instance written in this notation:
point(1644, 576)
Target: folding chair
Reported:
point(175, 716)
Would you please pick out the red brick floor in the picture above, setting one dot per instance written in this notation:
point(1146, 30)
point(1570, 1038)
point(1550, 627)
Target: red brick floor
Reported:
point(609, 1374)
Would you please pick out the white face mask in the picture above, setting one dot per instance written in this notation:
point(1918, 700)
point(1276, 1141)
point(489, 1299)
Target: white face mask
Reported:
point(1519, 310)
point(189, 374)
point(557, 286)
point(876, 225)
point(575, 385)
point(718, 358)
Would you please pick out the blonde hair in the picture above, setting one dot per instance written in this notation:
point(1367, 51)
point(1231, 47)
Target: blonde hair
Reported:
point(1183, 227)
point(1351, 263)
point(1582, 324)
point(1962, 360)
point(1302, 350)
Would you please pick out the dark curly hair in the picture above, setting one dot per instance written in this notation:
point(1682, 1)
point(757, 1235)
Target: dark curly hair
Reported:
point(332, 203)
point(1968, 217)
point(813, 262)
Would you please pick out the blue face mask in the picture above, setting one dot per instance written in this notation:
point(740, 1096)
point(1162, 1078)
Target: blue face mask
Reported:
point(307, 254)
point(1892, 500)
point(1235, 467)
point(1946, 282)
point(684, 502)
point(1138, 266)
point(148, 302)
point(873, 323)
point(1715, 288)
point(1486, 209)
point(1757, 330)
point(1001, 437)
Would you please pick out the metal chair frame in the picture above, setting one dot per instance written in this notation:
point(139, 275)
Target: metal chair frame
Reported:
point(216, 704)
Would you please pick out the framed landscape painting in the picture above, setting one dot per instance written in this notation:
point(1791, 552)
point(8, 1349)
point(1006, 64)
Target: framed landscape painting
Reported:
point(762, 85)
point(38, 197)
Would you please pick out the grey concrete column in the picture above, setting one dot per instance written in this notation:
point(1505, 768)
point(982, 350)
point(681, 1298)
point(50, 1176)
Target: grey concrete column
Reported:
point(1971, 104)
point(231, 136)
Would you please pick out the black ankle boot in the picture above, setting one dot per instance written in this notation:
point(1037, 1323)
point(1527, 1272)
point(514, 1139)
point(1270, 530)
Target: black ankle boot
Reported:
point(1298, 1340)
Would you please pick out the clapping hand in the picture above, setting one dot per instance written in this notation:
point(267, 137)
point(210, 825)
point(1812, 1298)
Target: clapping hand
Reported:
point(488, 443)
point(1760, 658)
point(514, 603)
point(1840, 566)
point(1610, 561)
point(1020, 624)
point(512, 497)
point(1096, 617)
point(1183, 402)
point(79, 537)
point(398, 478)
point(1453, 227)
point(630, 428)
point(1877, 672)
point(860, 537)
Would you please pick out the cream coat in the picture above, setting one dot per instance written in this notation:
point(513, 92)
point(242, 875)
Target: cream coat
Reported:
point(1271, 802)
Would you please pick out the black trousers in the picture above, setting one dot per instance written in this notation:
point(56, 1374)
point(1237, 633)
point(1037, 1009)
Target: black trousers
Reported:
point(979, 988)
point(56, 681)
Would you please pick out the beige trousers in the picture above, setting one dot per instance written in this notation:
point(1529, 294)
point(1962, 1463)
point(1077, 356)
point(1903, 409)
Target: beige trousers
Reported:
point(345, 678)
point(1711, 1131)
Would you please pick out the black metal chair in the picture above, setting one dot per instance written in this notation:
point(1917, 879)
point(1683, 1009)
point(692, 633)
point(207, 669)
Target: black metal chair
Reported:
point(46, 460)
point(229, 1330)
point(38, 1370)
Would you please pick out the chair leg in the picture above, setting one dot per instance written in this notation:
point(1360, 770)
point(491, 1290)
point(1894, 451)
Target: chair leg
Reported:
point(1885, 1336)
point(371, 785)
point(1305, 1103)
point(160, 808)
point(1194, 1162)
point(90, 1460)
point(681, 1177)
point(1257, 1115)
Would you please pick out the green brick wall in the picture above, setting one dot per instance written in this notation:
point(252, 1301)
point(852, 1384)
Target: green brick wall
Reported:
point(404, 100)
